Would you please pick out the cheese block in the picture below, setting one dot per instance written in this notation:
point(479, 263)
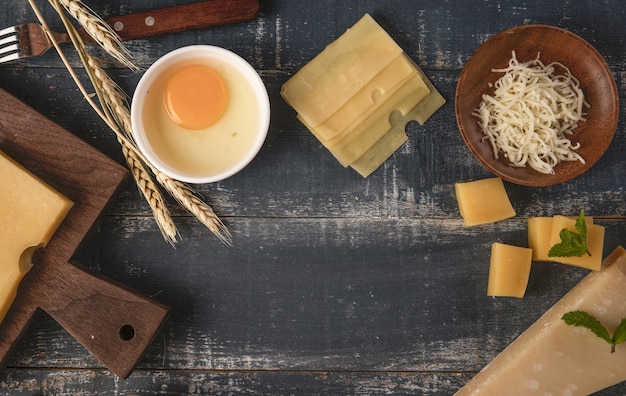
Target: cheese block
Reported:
point(541, 236)
point(553, 358)
point(509, 270)
point(337, 73)
point(595, 243)
point(30, 212)
point(483, 201)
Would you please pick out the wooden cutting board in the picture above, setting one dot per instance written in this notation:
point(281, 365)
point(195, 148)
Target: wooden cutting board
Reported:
point(112, 322)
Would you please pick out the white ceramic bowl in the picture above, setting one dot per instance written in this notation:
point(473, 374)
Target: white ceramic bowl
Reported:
point(183, 56)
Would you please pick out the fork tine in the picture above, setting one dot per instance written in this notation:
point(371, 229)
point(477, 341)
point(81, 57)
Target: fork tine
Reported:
point(9, 30)
point(9, 40)
point(10, 57)
point(9, 45)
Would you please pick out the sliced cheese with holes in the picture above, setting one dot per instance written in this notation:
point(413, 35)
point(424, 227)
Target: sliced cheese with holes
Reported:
point(357, 96)
point(374, 94)
point(350, 146)
point(336, 74)
point(553, 358)
point(387, 145)
point(30, 212)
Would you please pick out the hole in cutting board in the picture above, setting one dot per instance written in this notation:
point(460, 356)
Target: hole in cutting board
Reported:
point(127, 332)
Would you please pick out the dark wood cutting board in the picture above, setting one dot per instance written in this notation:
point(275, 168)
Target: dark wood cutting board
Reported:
point(115, 324)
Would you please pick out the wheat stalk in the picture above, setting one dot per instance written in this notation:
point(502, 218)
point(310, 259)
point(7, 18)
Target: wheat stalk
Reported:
point(115, 113)
point(99, 30)
point(190, 201)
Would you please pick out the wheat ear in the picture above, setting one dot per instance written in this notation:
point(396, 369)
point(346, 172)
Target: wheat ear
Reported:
point(99, 30)
point(190, 201)
point(115, 101)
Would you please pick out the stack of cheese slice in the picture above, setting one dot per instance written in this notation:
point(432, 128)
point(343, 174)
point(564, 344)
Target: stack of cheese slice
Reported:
point(359, 93)
point(30, 212)
point(553, 358)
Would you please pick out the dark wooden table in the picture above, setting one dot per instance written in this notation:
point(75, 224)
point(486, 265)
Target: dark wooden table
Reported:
point(334, 284)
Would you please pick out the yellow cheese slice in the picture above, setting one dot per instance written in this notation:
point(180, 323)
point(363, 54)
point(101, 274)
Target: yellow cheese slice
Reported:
point(387, 145)
point(483, 201)
point(350, 146)
point(553, 358)
point(30, 212)
point(383, 149)
point(509, 270)
point(337, 73)
point(373, 95)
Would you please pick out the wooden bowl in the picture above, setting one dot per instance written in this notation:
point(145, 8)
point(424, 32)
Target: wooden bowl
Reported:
point(553, 45)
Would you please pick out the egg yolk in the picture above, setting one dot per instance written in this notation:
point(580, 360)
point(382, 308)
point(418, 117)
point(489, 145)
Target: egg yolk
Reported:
point(195, 97)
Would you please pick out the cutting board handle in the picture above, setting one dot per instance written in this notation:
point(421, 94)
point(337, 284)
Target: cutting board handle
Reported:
point(115, 324)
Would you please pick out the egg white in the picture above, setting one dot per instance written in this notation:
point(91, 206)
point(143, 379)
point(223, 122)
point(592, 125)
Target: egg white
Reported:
point(210, 150)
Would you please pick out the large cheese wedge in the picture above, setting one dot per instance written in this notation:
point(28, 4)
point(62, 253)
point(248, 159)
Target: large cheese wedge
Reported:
point(553, 358)
point(30, 212)
point(483, 201)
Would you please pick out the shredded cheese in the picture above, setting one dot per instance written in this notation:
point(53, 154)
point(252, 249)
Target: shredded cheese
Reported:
point(532, 113)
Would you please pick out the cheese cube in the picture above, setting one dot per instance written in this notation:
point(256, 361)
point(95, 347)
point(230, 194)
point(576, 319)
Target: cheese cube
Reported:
point(553, 358)
point(483, 201)
point(540, 236)
point(30, 212)
point(509, 270)
point(595, 243)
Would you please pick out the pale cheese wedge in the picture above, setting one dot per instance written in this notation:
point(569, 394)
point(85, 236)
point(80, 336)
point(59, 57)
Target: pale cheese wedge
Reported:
point(30, 212)
point(553, 358)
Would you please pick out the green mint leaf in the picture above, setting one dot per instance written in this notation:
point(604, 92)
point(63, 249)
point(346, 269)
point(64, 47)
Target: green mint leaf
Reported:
point(620, 333)
point(572, 244)
point(583, 319)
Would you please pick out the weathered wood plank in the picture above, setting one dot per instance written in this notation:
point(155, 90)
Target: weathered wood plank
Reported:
point(284, 180)
point(335, 284)
point(321, 294)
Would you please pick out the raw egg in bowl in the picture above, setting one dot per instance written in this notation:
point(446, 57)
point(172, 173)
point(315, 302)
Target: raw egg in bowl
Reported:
point(200, 114)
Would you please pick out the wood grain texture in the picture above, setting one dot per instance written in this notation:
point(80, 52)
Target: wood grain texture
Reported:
point(114, 323)
point(335, 284)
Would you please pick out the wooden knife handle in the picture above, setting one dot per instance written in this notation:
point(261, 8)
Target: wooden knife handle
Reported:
point(115, 324)
point(180, 18)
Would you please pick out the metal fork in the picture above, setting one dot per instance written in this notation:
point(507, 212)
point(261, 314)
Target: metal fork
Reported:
point(26, 40)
